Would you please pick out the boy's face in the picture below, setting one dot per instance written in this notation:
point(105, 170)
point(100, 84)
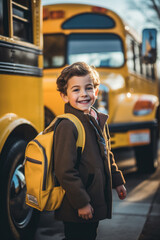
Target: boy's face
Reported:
point(81, 93)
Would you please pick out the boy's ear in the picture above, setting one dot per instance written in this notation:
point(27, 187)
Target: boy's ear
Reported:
point(96, 91)
point(64, 97)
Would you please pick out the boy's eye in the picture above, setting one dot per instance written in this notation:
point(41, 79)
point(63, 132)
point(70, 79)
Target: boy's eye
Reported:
point(89, 88)
point(75, 90)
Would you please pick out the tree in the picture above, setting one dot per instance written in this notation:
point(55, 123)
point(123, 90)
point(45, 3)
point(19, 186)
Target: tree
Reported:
point(156, 7)
point(151, 7)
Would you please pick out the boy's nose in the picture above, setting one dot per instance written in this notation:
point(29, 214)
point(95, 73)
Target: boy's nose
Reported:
point(83, 92)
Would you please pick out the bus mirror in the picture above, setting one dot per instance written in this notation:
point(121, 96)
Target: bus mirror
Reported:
point(149, 45)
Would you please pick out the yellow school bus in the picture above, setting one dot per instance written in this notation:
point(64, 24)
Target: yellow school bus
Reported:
point(21, 108)
point(126, 64)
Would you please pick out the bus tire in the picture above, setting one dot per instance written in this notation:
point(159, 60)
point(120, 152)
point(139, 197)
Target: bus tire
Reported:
point(146, 156)
point(18, 221)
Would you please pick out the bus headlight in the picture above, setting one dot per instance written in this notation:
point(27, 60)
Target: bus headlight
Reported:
point(101, 103)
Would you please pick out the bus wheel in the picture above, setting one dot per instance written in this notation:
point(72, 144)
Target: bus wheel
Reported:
point(17, 219)
point(146, 156)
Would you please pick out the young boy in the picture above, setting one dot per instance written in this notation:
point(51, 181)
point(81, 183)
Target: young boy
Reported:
point(88, 187)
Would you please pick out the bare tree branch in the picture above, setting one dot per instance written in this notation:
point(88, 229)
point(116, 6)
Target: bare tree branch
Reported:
point(152, 7)
point(156, 8)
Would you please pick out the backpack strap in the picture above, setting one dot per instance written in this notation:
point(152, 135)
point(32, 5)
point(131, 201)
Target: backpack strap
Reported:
point(81, 132)
point(80, 144)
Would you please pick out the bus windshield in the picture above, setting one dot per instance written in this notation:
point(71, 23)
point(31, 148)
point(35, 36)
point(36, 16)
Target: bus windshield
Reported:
point(100, 50)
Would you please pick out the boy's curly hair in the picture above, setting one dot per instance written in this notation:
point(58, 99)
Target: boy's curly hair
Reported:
point(76, 69)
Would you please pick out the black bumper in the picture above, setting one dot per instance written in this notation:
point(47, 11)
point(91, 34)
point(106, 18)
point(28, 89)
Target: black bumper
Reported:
point(125, 127)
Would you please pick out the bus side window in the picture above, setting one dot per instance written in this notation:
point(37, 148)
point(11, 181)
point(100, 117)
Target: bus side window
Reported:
point(153, 72)
point(134, 60)
point(140, 59)
point(22, 20)
point(150, 71)
point(54, 50)
point(137, 58)
point(131, 54)
point(3, 18)
point(147, 71)
point(134, 56)
point(130, 57)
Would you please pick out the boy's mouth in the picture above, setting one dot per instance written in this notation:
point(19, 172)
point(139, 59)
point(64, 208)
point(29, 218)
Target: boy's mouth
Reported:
point(84, 101)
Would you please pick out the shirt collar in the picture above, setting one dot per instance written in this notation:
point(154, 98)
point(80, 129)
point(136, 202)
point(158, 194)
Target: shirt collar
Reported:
point(101, 117)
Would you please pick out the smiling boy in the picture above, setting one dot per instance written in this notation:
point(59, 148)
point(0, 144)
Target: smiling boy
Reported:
point(81, 93)
point(88, 187)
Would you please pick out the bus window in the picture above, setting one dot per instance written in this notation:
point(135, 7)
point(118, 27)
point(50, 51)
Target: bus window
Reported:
point(150, 72)
point(100, 50)
point(134, 60)
point(89, 21)
point(140, 59)
point(153, 72)
point(137, 58)
point(54, 51)
point(22, 20)
point(134, 57)
point(3, 18)
point(130, 53)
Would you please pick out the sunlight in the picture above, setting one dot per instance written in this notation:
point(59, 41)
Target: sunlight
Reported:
point(145, 190)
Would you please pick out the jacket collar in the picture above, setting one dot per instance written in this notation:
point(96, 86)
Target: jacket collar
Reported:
point(102, 118)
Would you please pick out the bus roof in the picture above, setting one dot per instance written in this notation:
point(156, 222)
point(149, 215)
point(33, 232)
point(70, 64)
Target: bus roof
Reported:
point(62, 12)
point(71, 9)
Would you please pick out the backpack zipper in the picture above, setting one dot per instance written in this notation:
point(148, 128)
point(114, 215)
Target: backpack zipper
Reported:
point(33, 160)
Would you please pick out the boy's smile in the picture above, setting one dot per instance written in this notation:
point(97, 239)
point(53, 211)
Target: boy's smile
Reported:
point(81, 93)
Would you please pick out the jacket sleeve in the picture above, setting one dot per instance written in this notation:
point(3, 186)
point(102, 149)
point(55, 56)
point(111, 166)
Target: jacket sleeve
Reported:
point(117, 176)
point(65, 157)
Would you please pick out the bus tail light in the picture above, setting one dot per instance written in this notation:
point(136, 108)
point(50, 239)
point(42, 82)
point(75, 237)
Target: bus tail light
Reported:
point(143, 106)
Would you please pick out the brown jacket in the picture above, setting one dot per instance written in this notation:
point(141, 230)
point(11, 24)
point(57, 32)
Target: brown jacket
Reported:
point(92, 181)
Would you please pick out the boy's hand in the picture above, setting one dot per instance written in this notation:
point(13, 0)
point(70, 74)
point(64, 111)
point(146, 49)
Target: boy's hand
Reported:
point(86, 212)
point(121, 191)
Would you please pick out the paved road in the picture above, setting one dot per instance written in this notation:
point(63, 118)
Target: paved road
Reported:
point(135, 218)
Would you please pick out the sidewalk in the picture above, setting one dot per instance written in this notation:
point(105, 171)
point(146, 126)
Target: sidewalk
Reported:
point(137, 217)
point(151, 230)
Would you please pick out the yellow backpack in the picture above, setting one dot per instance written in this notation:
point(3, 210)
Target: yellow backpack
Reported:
point(43, 192)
